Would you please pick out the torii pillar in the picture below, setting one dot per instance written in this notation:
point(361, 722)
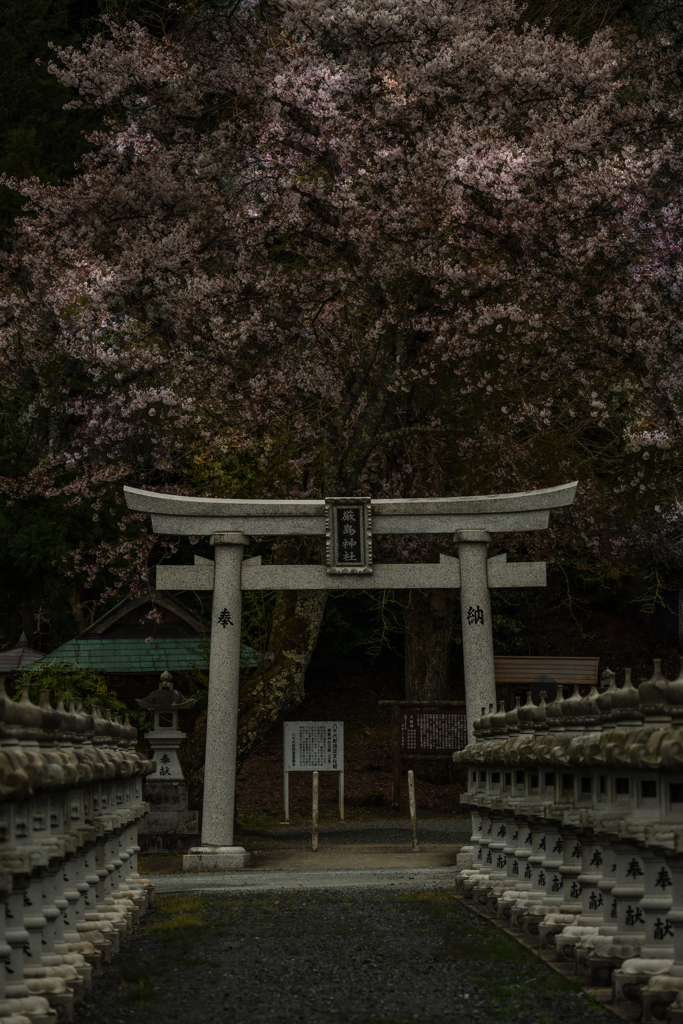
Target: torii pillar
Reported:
point(477, 625)
point(349, 525)
point(217, 852)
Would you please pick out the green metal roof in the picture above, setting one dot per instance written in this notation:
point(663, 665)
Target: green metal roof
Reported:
point(135, 655)
point(125, 655)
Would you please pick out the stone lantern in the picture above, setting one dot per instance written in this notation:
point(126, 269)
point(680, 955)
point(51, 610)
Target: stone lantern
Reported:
point(165, 737)
point(169, 824)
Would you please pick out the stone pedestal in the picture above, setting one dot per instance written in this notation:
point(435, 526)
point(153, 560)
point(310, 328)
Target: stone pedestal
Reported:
point(215, 858)
point(169, 826)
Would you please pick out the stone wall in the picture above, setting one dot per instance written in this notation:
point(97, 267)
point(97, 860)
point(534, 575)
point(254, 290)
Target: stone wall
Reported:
point(70, 799)
point(577, 834)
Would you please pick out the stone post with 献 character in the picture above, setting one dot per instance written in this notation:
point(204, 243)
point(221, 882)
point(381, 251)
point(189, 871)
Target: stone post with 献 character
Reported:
point(169, 826)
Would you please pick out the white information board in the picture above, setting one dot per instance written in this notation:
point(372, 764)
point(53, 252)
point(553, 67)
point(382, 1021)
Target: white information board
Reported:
point(314, 746)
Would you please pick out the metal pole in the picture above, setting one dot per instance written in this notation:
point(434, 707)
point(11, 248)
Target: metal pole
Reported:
point(314, 833)
point(217, 851)
point(341, 796)
point(287, 796)
point(415, 848)
point(477, 634)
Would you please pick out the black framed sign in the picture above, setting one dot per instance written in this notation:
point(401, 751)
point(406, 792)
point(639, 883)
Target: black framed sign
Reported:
point(348, 532)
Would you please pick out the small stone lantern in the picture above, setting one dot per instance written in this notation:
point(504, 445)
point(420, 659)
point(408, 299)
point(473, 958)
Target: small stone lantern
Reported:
point(169, 825)
point(165, 737)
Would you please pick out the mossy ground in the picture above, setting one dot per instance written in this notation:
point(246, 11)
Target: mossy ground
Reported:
point(511, 974)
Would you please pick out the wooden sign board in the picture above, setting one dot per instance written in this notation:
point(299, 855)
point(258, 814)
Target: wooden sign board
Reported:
point(424, 731)
point(314, 746)
point(435, 732)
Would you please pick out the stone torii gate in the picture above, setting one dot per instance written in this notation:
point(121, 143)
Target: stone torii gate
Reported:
point(348, 525)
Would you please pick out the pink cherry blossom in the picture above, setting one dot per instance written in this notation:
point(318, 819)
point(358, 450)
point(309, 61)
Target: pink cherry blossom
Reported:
point(387, 247)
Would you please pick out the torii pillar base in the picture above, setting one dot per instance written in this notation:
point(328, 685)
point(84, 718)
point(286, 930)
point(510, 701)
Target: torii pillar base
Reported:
point(216, 858)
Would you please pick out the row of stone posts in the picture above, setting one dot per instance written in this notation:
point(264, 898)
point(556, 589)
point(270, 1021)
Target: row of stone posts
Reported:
point(577, 834)
point(70, 798)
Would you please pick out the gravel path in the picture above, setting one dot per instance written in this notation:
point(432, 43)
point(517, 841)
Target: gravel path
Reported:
point(276, 881)
point(358, 955)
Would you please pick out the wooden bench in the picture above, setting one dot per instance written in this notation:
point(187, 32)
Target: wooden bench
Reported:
point(514, 674)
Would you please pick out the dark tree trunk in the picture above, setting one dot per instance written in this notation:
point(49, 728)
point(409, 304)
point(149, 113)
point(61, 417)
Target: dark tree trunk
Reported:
point(280, 686)
point(429, 617)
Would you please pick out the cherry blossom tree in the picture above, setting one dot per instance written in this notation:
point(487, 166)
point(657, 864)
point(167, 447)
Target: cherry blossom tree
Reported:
point(349, 247)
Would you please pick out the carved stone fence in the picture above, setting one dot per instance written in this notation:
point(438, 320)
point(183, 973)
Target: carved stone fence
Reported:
point(577, 834)
point(70, 800)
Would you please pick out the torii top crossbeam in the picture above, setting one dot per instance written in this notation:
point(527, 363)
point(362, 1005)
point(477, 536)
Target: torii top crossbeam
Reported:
point(496, 513)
